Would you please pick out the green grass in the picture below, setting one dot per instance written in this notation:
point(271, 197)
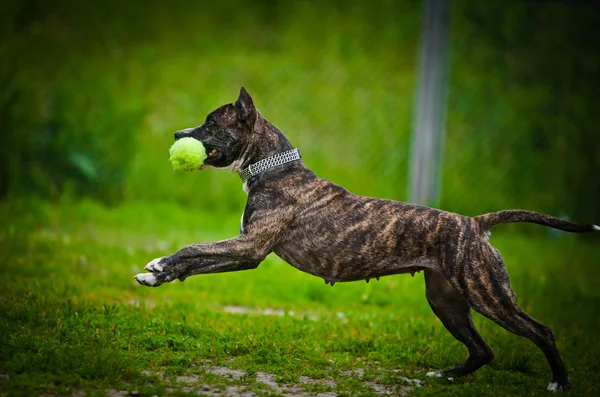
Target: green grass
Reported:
point(73, 319)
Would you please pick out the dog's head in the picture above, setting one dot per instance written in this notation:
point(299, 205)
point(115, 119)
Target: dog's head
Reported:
point(227, 133)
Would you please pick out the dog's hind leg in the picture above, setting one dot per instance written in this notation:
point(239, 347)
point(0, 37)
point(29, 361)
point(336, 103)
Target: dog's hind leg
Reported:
point(455, 313)
point(490, 294)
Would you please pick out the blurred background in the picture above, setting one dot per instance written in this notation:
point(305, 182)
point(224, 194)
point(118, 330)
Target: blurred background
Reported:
point(93, 91)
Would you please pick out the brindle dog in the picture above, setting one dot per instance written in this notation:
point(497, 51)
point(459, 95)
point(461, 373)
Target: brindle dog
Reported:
point(322, 229)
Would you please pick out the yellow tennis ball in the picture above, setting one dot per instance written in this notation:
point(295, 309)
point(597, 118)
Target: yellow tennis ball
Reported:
point(187, 154)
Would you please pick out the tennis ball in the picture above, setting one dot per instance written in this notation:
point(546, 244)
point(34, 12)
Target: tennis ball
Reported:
point(187, 154)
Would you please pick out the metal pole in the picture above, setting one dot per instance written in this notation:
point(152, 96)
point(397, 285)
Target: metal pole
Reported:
point(429, 116)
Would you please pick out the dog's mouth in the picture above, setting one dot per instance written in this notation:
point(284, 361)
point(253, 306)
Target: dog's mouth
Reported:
point(211, 153)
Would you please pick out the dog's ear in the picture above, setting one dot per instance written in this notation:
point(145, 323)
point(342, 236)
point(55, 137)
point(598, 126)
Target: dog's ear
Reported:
point(245, 108)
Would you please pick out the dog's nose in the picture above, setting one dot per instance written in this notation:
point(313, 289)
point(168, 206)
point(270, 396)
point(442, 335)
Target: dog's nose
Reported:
point(183, 133)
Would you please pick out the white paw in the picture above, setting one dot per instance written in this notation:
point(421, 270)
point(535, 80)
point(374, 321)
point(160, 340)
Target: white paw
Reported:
point(555, 386)
point(154, 266)
point(147, 279)
point(434, 374)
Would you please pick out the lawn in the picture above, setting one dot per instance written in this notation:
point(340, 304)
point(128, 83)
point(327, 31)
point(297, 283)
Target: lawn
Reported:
point(74, 322)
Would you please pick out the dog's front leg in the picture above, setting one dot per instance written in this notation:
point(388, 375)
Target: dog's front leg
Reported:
point(246, 247)
point(186, 268)
point(246, 251)
point(238, 253)
point(213, 266)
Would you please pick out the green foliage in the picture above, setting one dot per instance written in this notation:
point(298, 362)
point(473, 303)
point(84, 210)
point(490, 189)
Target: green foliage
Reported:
point(68, 123)
point(94, 91)
point(167, 70)
point(72, 319)
point(522, 124)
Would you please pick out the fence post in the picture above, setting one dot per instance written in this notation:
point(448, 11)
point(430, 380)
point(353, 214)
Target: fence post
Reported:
point(430, 104)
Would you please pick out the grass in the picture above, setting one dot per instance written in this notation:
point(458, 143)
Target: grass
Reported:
point(72, 319)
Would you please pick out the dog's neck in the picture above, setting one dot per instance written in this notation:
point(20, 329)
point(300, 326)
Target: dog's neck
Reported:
point(271, 142)
point(270, 145)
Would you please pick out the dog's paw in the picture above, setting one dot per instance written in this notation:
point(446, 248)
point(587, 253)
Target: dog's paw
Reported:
point(556, 386)
point(147, 279)
point(435, 374)
point(156, 265)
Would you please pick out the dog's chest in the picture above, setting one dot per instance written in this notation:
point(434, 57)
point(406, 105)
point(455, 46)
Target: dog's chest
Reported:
point(246, 190)
point(242, 223)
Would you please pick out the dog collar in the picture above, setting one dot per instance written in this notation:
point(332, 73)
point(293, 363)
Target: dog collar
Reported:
point(270, 162)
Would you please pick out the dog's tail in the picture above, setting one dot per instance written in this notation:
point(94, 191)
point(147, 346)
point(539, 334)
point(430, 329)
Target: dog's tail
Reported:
point(508, 216)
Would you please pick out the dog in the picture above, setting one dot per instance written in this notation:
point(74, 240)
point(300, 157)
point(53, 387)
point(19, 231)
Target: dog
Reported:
point(322, 229)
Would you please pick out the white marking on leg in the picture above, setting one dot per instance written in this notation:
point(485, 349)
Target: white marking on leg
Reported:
point(155, 266)
point(553, 386)
point(596, 227)
point(434, 374)
point(147, 279)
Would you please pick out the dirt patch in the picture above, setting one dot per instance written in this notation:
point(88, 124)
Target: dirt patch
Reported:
point(360, 372)
point(269, 380)
point(246, 310)
point(117, 393)
point(194, 384)
point(415, 382)
point(229, 391)
point(187, 379)
point(311, 381)
point(226, 372)
point(269, 312)
point(291, 390)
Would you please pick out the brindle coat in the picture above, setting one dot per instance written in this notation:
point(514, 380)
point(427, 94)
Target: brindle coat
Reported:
point(322, 229)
